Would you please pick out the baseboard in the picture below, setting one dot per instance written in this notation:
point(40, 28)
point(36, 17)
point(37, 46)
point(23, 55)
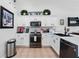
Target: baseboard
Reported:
point(22, 46)
point(46, 46)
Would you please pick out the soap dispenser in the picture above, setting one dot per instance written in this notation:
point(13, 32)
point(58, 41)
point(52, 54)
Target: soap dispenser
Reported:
point(67, 31)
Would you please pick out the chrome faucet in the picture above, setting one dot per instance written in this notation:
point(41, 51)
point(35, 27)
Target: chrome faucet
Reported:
point(66, 30)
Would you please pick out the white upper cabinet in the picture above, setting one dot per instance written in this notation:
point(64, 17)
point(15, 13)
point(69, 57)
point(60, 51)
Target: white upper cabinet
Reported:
point(49, 21)
point(52, 21)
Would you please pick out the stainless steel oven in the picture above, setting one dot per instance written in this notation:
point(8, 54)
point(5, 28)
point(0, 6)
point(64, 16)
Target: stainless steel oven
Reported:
point(35, 40)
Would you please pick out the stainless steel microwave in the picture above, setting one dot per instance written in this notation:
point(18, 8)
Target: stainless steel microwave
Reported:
point(35, 23)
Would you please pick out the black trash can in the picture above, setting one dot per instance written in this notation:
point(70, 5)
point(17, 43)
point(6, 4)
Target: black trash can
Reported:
point(10, 48)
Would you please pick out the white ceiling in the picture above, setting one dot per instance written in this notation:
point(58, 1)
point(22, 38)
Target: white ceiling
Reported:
point(65, 4)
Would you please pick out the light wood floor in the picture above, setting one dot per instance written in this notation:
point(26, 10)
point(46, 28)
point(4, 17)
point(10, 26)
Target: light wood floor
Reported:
point(35, 53)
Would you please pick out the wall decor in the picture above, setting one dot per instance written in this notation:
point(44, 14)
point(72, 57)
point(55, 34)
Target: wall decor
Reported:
point(24, 12)
point(6, 18)
point(20, 29)
point(44, 12)
point(61, 21)
point(73, 21)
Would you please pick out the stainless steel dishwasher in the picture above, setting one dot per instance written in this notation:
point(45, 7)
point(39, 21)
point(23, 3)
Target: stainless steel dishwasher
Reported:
point(68, 49)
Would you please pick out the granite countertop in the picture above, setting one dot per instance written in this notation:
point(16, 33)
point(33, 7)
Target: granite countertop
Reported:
point(72, 39)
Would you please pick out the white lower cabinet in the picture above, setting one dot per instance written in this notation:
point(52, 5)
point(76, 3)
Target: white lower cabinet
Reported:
point(19, 39)
point(51, 40)
point(55, 44)
point(57, 47)
point(22, 40)
point(45, 40)
point(27, 40)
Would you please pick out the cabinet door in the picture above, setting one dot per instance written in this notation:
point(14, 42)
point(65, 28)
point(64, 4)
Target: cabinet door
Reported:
point(49, 22)
point(44, 22)
point(45, 40)
point(48, 39)
point(22, 39)
point(19, 39)
point(26, 40)
point(57, 47)
point(53, 42)
point(52, 20)
point(51, 37)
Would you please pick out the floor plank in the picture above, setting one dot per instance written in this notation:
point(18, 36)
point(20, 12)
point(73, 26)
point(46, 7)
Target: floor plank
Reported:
point(35, 53)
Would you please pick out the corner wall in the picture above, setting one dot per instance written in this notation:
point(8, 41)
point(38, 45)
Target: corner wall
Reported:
point(6, 34)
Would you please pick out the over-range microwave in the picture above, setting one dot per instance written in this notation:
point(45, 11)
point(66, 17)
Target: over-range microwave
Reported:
point(35, 23)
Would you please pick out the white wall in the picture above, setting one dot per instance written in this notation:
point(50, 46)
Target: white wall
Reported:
point(31, 6)
point(59, 8)
point(6, 34)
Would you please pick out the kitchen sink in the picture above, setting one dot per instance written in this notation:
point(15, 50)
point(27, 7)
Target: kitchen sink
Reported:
point(63, 35)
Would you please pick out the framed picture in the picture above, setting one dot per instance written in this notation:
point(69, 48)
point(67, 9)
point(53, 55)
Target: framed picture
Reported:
point(6, 18)
point(61, 21)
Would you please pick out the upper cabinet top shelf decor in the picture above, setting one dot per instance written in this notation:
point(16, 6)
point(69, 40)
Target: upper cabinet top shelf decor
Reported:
point(44, 12)
point(6, 18)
